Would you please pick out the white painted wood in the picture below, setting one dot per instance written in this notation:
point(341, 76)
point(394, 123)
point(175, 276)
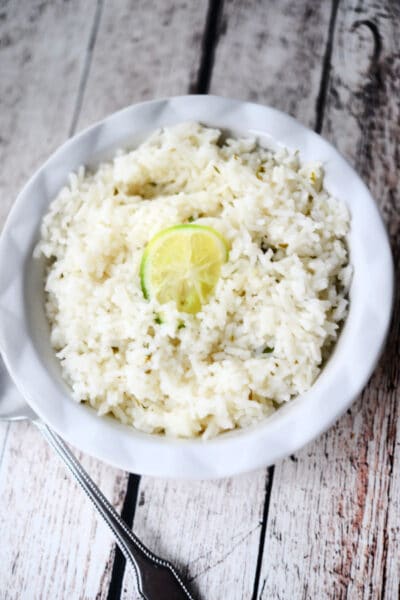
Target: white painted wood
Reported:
point(145, 49)
point(226, 522)
point(272, 53)
point(211, 529)
point(333, 529)
point(219, 516)
point(206, 528)
point(52, 545)
point(141, 52)
point(42, 49)
point(36, 561)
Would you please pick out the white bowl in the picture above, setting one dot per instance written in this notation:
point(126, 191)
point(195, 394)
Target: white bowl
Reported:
point(24, 332)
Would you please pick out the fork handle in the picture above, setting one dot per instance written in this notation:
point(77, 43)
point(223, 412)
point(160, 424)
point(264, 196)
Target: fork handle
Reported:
point(155, 577)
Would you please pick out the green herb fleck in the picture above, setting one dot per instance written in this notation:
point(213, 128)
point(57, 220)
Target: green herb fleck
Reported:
point(157, 319)
point(216, 169)
point(268, 349)
point(181, 325)
point(191, 219)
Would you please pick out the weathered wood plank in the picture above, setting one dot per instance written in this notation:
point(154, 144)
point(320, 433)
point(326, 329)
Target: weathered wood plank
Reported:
point(322, 507)
point(51, 542)
point(153, 46)
point(371, 97)
point(210, 529)
point(145, 50)
point(42, 45)
point(53, 545)
point(144, 61)
point(221, 521)
point(272, 53)
point(334, 513)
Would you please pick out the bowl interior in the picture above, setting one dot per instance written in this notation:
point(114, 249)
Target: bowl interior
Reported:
point(24, 330)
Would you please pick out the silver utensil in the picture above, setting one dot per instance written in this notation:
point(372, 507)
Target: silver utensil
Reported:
point(155, 577)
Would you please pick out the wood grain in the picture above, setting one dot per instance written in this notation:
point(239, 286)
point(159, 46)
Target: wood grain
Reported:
point(210, 529)
point(333, 514)
point(223, 518)
point(51, 542)
point(38, 87)
point(146, 49)
point(272, 53)
point(333, 530)
point(135, 49)
point(321, 505)
point(145, 61)
point(166, 520)
point(278, 49)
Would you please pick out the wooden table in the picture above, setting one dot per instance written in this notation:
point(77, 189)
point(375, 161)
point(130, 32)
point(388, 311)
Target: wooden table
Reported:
point(319, 525)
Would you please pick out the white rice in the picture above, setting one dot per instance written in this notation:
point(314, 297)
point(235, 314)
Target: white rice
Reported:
point(276, 311)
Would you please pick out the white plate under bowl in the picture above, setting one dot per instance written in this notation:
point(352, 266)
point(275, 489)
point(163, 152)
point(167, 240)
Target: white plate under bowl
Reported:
point(24, 332)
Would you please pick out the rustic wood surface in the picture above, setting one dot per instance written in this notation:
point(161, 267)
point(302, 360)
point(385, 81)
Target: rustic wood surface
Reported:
point(324, 523)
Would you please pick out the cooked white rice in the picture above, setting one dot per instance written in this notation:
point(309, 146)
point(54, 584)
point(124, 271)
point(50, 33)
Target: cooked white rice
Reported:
point(276, 311)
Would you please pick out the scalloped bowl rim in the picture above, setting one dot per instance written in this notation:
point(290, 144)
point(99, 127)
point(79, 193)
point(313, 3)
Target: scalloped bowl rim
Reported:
point(24, 333)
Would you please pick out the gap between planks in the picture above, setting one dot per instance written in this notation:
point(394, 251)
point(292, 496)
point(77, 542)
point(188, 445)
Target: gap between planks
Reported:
point(86, 66)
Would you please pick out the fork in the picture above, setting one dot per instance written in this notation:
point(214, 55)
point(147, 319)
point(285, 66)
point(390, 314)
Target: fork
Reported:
point(155, 577)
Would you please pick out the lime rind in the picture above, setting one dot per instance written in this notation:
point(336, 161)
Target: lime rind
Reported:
point(189, 297)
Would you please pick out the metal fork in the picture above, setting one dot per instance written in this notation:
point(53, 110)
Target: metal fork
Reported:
point(155, 577)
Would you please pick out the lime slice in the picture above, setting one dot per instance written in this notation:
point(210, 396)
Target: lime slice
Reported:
point(183, 264)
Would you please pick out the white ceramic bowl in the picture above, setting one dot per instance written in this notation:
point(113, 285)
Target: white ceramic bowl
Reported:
point(24, 332)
